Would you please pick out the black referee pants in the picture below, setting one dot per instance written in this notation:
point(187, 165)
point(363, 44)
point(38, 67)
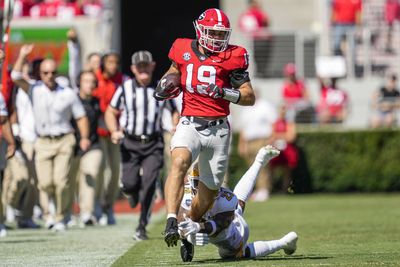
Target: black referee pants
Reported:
point(149, 157)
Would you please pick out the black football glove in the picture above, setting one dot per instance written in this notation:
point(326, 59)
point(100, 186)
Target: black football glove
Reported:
point(214, 91)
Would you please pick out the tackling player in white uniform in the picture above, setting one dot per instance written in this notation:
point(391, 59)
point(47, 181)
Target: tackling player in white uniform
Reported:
point(223, 225)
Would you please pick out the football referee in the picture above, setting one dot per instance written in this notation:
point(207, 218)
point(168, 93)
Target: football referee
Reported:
point(139, 132)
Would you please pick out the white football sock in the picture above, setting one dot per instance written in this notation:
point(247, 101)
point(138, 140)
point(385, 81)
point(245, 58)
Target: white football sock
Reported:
point(244, 187)
point(171, 215)
point(264, 248)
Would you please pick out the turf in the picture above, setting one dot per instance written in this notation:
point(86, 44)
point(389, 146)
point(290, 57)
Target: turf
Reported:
point(92, 246)
point(334, 230)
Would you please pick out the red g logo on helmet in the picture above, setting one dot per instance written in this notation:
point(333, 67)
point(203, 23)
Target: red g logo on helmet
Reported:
point(213, 30)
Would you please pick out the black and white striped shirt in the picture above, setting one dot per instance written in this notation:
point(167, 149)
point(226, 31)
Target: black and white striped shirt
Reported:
point(141, 113)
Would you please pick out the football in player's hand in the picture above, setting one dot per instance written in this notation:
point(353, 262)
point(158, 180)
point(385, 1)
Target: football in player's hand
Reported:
point(169, 86)
point(171, 80)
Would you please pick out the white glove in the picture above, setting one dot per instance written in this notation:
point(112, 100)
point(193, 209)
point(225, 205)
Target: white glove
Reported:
point(188, 227)
point(266, 153)
point(199, 239)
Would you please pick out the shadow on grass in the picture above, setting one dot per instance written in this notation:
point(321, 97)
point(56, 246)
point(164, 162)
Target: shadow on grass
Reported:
point(268, 258)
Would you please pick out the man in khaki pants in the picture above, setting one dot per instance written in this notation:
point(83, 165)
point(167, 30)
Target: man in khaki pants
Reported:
point(53, 107)
point(256, 128)
point(5, 153)
point(87, 165)
point(20, 182)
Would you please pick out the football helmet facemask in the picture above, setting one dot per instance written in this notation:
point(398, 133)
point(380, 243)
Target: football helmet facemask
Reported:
point(213, 30)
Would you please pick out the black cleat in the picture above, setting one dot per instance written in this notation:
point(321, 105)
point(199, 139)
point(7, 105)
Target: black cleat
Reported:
point(171, 235)
point(187, 250)
point(140, 234)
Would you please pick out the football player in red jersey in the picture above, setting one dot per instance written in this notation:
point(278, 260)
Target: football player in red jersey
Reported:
point(213, 74)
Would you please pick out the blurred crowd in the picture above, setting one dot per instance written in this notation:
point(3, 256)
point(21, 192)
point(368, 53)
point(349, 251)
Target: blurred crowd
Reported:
point(63, 9)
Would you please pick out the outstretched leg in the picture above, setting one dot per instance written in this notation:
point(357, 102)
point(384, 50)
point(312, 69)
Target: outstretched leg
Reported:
point(263, 248)
point(246, 184)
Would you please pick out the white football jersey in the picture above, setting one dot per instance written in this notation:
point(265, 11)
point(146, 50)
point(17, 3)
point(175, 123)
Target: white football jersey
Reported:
point(233, 238)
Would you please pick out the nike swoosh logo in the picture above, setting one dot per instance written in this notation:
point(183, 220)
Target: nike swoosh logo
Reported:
point(223, 135)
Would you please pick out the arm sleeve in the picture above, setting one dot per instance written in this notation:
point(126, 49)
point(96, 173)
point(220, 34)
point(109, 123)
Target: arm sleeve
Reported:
point(220, 222)
point(74, 65)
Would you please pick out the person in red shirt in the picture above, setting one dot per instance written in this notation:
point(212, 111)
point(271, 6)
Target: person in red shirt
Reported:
point(109, 78)
point(212, 75)
point(333, 104)
point(254, 22)
point(392, 13)
point(295, 94)
point(283, 137)
point(346, 15)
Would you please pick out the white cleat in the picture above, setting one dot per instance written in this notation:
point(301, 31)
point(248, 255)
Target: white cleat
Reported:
point(59, 227)
point(3, 231)
point(266, 153)
point(290, 243)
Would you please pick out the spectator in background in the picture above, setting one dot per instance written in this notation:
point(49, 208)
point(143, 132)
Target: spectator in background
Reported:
point(62, 9)
point(87, 164)
point(333, 105)
point(92, 8)
point(254, 22)
point(345, 16)
point(109, 78)
point(295, 96)
point(140, 135)
point(256, 129)
point(92, 63)
point(7, 136)
point(22, 8)
point(20, 181)
point(283, 137)
point(385, 104)
point(392, 13)
point(54, 107)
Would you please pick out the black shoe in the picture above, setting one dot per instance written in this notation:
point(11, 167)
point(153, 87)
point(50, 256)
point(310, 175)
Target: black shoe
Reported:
point(171, 235)
point(140, 234)
point(27, 224)
point(187, 250)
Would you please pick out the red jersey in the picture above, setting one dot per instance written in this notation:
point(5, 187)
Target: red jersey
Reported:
point(344, 11)
point(333, 99)
point(252, 20)
point(199, 70)
point(293, 91)
point(104, 92)
point(392, 10)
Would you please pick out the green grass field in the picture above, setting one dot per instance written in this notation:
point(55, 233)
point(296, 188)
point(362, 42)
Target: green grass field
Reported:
point(334, 230)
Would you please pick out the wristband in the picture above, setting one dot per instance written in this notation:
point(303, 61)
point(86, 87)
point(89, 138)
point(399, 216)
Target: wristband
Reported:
point(16, 75)
point(15, 129)
point(232, 95)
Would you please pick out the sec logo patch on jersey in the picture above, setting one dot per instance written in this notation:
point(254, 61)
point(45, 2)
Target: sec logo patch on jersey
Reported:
point(186, 56)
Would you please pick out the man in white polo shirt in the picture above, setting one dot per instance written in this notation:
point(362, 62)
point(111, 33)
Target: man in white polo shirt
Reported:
point(53, 108)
